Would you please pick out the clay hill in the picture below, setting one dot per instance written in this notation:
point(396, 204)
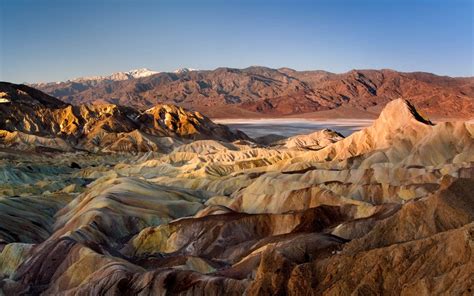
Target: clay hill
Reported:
point(388, 210)
point(32, 119)
point(259, 91)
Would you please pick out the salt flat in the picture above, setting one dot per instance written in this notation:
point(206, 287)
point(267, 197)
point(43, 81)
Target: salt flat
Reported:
point(295, 126)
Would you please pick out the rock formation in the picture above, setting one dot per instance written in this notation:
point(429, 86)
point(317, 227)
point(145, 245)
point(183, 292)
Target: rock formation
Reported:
point(386, 210)
point(29, 119)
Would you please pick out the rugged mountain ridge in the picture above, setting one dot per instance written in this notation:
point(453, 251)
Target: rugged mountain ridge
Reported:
point(260, 91)
point(29, 117)
point(93, 80)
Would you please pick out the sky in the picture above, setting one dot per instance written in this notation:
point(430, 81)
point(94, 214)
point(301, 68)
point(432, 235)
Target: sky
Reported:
point(56, 40)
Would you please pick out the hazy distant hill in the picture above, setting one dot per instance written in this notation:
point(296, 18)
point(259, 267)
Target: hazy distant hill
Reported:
point(261, 91)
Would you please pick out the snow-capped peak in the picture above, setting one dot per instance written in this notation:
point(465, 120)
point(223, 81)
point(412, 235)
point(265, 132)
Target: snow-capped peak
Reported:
point(184, 70)
point(118, 76)
point(144, 72)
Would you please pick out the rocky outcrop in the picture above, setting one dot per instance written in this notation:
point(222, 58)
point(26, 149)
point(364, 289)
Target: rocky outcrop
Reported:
point(12, 94)
point(313, 141)
point(31, 119)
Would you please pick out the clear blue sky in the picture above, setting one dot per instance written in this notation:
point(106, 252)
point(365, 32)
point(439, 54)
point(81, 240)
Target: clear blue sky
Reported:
point(54, 40)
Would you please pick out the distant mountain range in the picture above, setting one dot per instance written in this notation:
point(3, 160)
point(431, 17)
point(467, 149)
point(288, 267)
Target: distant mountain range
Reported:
point(264, 92)
point(117, 76)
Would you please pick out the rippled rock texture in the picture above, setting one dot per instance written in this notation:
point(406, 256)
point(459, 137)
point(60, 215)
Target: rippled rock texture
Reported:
point(388, 210)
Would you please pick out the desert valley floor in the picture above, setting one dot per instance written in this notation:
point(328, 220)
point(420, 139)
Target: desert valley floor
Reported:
point(285, 127)
point(108, 200)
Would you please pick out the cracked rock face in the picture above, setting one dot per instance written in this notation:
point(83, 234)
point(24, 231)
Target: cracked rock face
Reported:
point(387, 210)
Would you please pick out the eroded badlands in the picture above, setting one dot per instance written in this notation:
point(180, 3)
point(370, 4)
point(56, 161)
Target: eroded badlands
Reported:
point(387, 210)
